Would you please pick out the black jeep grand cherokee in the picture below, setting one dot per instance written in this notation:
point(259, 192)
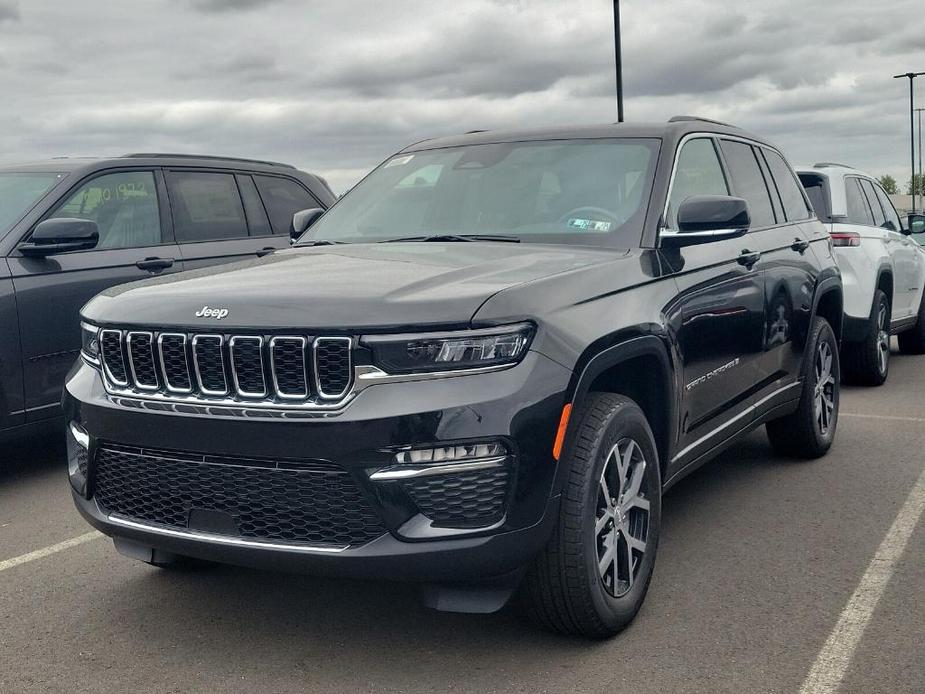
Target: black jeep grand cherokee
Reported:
point(479, 370)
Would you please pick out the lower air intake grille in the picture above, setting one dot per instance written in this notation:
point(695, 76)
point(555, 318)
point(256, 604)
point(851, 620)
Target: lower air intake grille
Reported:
point(469, 499)
point(310, 503)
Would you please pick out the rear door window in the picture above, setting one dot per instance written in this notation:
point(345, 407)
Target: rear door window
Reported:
point(282, 198)
point(858, 211)
point(206, 206)
point(748, 182)
point(892, 219)
point(790, 194)
point(257, 220)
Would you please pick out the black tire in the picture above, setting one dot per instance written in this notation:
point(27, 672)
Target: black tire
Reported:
point(912, 341)
point(805, 433)
point(867, 362)
point(564, 590)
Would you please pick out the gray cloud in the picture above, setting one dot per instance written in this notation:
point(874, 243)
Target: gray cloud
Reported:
point(9, 11)
point(337, 86)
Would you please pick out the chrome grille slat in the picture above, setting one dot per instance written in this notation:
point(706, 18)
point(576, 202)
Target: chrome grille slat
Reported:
point(140, 348)
point(228, 370)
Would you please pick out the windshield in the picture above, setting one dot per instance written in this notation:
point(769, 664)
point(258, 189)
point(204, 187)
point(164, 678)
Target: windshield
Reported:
point(19, 191)
point(574, 191)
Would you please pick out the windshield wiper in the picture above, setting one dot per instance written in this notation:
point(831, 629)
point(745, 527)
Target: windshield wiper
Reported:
point(457, 237)
point(318, 242)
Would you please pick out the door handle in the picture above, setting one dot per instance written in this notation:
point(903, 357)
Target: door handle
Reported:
point(748, 258)
point(800, 245)
point(265, 251)
point(154, 264)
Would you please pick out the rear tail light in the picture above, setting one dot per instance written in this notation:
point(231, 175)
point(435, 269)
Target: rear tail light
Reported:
point(845, 238)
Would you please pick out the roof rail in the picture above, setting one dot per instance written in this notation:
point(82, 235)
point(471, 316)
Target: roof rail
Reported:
point(167, 155)
point(683, 119)
point(826, 164)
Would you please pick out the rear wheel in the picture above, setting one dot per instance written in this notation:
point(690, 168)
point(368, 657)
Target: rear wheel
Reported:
point(809, 432)
point(593, 575)
point(912, 341)
point(867, 362)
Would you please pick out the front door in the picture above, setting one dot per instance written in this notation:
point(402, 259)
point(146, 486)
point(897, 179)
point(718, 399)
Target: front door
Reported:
point(128, 207)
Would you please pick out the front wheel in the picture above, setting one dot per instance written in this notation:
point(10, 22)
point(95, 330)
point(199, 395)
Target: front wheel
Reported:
point(593, 575)
point(809, 432)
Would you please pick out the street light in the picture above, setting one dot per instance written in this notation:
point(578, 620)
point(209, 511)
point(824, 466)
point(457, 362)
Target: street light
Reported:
point(618, 58)
point(911, 76)
point(921, 180)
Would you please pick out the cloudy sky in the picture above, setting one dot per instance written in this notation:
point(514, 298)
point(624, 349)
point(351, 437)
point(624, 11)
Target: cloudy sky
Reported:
point(334, 86)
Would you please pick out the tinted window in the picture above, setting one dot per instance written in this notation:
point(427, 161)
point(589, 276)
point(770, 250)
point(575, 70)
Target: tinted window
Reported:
point(283, 197)
point(123, 205)
point(790, 194)
point(818, 193)
point(698, 173)
point(748, 182)
point(19, 191)
point(879, 217)
point(206, 206)
point(892, 219)
point(590, 192)
point(858, 211)
point(257, 220)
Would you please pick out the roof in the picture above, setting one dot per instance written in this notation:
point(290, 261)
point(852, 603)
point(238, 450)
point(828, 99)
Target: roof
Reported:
point(832, 170)
point(68, 164)
point(676, 128)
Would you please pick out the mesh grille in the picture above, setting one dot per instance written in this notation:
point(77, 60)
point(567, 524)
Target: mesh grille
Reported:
point(247, 363)
point(208, 354)
point(176, 366)
point(468, 499)
point(81, 455)
point(141, 354)
point(332, 366)
point(288, 354)
point(111, 347)
point(315, 504)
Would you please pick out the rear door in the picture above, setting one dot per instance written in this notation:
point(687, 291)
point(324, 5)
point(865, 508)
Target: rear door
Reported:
point(718, 315)
point(220, 217)
point(913, 253)
point(129, 207)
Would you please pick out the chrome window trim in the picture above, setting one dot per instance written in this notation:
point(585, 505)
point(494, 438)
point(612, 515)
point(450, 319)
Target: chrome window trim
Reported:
point(213, 538)
point(350, 381)
point(160, 352)
point(131, 359)
point(279, 393)
point(234, 372)
point(221, 343)
point(112, 379)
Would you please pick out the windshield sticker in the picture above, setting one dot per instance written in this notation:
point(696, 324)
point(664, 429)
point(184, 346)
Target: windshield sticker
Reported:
point(588, 224)
point(400, 161)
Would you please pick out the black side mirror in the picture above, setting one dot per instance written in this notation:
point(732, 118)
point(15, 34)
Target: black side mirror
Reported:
point(707, 218)
point(60, 236)
point(302, 220)
point(915, 224)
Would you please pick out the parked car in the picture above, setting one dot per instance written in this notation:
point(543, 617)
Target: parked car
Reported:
point(883, 269)
point(479, 370)
point(70, 228)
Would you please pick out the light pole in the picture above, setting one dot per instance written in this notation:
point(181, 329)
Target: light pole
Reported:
point(618, 58)
point(921, 180)
point(911, 76)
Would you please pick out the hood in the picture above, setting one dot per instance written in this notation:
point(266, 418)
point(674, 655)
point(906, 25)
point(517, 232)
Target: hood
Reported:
point(356, 286)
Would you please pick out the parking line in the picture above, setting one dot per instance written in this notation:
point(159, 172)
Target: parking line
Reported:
point(881, 416)
point(833, 660)
point(39, 553)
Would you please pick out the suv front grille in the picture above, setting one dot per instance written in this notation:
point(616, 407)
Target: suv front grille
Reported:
point(244, 368)
point(306, 502)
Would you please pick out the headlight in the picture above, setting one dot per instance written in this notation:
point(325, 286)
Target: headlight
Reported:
point(465, 349)
point(90, 343)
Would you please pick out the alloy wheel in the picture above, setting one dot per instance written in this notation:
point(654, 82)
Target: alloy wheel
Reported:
point(824, 389)
point(883, 340)
point(622, 519)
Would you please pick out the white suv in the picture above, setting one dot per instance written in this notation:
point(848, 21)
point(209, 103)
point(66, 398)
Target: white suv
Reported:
point(883, 270)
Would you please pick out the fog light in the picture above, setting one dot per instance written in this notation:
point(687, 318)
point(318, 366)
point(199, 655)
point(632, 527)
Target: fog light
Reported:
point(78, 457)
point(450, 454)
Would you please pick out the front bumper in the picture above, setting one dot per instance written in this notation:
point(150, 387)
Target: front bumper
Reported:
point(519, 407)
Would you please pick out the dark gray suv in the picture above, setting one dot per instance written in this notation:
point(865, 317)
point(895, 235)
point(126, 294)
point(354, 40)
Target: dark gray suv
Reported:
point(70, 228)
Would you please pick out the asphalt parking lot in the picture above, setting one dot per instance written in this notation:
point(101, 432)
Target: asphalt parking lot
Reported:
point(759, 565)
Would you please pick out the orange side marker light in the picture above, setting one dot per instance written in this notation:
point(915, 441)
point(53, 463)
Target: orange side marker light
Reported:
point(560, 434)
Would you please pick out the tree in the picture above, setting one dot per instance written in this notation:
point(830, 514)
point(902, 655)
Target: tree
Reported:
point(916, 186)
point(889, 184)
